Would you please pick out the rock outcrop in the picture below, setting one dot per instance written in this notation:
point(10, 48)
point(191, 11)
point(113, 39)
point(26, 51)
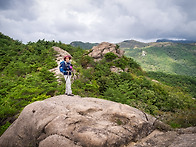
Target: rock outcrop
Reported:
point(89, 122)
point(98, 52)
point(74, 121)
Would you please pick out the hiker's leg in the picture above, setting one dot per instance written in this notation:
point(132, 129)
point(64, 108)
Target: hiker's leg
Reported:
point(66, 88)
point(68, 85)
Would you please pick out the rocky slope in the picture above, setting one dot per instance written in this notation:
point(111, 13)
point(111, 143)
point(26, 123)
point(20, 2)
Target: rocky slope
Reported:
point(90, 122)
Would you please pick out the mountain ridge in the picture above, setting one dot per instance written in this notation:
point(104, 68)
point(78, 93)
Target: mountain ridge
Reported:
point(83, 45)
point(177, 41)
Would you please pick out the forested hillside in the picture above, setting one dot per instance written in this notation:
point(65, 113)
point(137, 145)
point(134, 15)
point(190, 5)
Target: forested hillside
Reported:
point(172, 58)
point(25, 78)
point(185, 83)
point(83, 45)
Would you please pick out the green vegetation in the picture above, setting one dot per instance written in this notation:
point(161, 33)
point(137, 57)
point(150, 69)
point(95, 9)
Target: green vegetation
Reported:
point(178, 59)
point(25, 78)
point(185, 83)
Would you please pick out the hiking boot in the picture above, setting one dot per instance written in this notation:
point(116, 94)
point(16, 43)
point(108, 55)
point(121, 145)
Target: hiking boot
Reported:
point(70, 94)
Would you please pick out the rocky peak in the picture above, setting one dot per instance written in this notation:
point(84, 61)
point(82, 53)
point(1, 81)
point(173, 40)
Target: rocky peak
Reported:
point(98, 52)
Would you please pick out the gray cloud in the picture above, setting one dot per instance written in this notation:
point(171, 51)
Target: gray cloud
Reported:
point(5, 4)
point(96, 21)
point(18, 9)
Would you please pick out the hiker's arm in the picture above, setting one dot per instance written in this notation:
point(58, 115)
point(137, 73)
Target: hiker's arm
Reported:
point(71, 67)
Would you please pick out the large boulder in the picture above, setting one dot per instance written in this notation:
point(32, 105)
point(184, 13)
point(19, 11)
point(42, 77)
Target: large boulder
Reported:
point(98, 52)
point(74, 121)
point(64, 121)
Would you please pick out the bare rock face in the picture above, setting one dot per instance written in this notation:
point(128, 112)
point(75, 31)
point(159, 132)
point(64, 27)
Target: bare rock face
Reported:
point(98, 52)
point(64, 121)
point(74, 121)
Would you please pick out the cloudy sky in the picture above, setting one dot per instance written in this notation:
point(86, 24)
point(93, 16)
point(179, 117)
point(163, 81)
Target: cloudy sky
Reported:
point(98, 20)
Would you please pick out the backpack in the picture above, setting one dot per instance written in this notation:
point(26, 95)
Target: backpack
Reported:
point(63, 66)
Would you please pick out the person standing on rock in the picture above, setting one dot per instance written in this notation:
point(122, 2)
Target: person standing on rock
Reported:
point(66, 68)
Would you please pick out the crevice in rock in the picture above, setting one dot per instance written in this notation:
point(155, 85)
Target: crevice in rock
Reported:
point(43, 129)
point(124, 140)
point(76, 122)
point(20, 136)
point(43, 134)
point(145, 115)
point(127, 129)
point(90, 110)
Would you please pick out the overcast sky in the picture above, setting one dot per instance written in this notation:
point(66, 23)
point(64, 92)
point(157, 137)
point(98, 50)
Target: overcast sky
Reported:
point(98, 20)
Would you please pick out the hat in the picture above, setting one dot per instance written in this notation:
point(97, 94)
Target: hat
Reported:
point(67, 56)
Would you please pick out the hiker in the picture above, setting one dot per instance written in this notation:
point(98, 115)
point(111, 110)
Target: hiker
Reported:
point(66, 69)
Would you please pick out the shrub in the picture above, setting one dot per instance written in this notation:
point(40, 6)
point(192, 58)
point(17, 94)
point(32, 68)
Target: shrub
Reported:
point(86, 61)
point(110, 56)
point(4, 127)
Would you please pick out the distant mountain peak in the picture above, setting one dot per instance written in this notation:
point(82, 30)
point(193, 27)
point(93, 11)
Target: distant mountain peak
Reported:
point(132, 40)
point(132, 44)
point(83, 45)
point(176, 41)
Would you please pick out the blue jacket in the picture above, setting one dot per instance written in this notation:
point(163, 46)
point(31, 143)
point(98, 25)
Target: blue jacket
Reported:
point(65, 68)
